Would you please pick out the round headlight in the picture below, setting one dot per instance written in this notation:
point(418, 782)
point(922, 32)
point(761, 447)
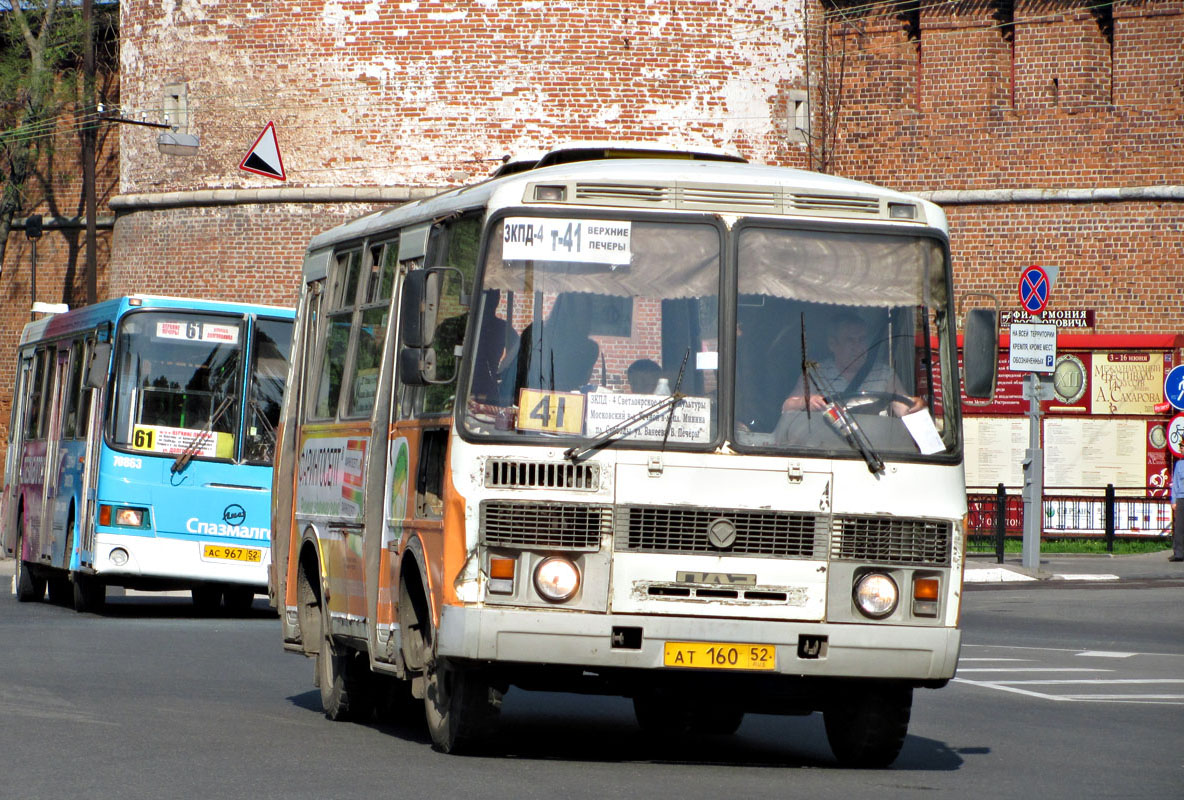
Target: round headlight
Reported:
point(119, 556)
point(876, 595)
point(556, 579)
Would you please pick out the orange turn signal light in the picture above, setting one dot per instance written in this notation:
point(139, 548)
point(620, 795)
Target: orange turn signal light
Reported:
point(925, 588)
point(502, 568)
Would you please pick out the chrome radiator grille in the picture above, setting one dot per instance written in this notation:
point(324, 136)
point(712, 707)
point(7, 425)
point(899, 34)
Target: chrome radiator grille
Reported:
point(566, 526)
point(662, 529)
point(891, 541)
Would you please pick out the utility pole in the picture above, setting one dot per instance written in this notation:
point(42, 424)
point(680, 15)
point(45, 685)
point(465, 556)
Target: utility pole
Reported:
point(89, 135)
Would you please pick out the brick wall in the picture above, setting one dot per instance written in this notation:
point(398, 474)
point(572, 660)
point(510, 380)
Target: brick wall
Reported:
point(1035, 94)
point(434, 92)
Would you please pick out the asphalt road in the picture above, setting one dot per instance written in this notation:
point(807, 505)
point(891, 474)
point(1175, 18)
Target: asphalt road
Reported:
point(1066, 691)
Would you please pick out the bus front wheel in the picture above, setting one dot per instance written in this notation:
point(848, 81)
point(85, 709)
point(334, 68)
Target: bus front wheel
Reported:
point(89, 593)
point(460, 705)
point(867, 727)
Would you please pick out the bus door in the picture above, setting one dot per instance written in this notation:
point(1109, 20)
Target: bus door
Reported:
point(15, 455)
point(32, 466)
point(90, 431)
point(53, 522)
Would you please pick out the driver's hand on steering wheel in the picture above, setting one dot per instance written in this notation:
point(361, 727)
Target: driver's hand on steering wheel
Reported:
point(798, 403)
point(899, 409)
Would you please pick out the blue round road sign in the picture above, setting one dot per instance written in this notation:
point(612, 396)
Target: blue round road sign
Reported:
point(1034, 290)
point(1173, 387)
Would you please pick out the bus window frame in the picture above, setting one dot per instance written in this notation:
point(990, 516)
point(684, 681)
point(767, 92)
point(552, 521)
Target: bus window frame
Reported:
point(725, 319)
point(110, 417)
point(339, 307)
point(376, 252)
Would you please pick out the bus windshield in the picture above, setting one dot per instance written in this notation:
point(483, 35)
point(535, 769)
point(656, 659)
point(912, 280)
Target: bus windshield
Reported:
point(843, 341)
point(177, 383)
point(584, 322)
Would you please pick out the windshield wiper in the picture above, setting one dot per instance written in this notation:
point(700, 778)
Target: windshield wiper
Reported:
point(606, 436)
point(198, 441)
point(839, 417)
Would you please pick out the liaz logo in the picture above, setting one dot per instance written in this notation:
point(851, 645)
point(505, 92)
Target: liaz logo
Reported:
point(234, 514)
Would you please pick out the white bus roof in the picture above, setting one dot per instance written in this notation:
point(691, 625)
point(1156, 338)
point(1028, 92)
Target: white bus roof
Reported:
point(659, 184)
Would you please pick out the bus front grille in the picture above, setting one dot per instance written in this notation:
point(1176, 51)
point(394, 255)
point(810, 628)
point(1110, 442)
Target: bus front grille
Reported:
point(501, 473)
point(665, 529)
point(559, 526)
point(890, 540)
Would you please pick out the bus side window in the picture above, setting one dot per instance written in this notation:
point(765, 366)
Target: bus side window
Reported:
point(71, 399)
point(339, 324)
point(33, 413)
point(374, 318)
point(454, 244)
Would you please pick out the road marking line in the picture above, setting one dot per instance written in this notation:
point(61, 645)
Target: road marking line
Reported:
point(1034, 669)
point(1095, 681)
point(1085, 577)
point(1025, 660)
point(1104, 654)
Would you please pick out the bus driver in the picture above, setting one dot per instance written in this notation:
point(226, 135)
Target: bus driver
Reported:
point(850, 370)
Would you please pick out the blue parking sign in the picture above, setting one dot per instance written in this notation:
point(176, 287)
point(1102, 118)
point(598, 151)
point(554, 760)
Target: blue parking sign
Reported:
point(1173, 387)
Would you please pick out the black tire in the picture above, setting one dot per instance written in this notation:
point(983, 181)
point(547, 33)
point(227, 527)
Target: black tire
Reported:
point(238, 599)
point(207, 599)
point(61, 593)
point(460, 706)
point(90, 594)
point(344, 678)
point(867, 728)
point(29, 587)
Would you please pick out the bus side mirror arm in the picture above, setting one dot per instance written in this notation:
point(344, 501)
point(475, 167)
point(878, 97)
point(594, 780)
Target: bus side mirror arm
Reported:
point(100, 365)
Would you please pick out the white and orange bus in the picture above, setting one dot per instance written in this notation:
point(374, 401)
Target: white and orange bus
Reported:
point(661, 425)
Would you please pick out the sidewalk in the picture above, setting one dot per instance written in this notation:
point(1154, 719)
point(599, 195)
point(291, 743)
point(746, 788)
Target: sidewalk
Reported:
point(983, 568)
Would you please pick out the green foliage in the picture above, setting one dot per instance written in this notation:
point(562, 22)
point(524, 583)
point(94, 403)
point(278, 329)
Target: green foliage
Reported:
point(1095, 544)
point(42, 44)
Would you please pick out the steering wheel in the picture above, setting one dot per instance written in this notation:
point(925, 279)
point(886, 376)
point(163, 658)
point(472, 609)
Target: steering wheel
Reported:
point(870, 402)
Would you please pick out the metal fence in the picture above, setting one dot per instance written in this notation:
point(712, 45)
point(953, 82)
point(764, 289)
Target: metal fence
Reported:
point(997, 513)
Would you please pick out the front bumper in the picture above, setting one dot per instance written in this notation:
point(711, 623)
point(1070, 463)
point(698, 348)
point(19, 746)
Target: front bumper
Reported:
point(529, 636)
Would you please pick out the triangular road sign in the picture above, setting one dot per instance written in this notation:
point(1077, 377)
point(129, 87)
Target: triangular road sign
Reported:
point(264, 156)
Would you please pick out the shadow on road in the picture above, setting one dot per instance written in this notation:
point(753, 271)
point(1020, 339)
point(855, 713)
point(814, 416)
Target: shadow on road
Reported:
point(546, 726)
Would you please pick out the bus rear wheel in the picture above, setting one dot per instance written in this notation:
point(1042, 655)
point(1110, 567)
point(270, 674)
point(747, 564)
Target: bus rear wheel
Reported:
point(867, 727)
point(343, 676)
point(29, 587)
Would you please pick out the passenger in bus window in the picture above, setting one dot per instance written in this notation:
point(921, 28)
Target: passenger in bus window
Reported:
point(643, 375)
point(854, 367)
point(558, 355)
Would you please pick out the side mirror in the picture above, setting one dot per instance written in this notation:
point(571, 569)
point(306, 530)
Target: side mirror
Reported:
point(980, 353)
point(417, 366)
point(419, 307)
point(100, 365)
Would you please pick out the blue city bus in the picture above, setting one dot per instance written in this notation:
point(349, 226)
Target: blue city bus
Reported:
point(140, 450)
